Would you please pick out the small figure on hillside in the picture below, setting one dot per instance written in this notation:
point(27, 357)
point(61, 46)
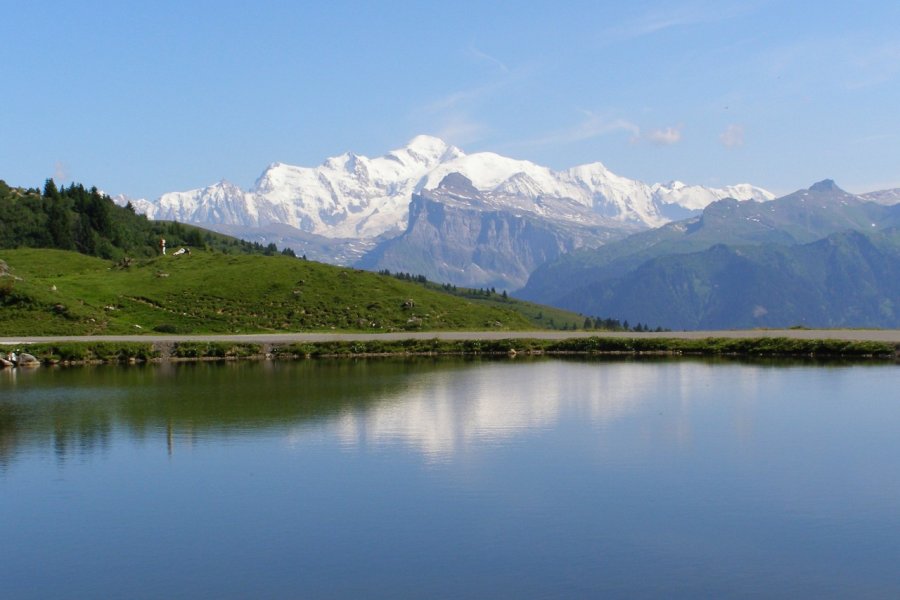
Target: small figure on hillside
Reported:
point(162, 246)
point(179, 252)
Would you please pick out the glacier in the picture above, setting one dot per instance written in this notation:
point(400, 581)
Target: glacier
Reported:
point(353, 197)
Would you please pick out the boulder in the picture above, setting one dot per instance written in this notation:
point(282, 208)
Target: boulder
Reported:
point(28, 360)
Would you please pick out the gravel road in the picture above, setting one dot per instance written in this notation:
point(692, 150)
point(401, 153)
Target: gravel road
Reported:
point(874, 335)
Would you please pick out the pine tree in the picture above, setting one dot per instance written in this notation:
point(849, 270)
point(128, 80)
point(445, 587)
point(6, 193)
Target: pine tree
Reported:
point(50, 190)
point(59, 223)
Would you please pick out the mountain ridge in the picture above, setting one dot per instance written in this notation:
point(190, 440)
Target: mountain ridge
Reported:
point(353, 196)
point(803, 216)
point(681, 273)
point(459, 234)
point(847, 279)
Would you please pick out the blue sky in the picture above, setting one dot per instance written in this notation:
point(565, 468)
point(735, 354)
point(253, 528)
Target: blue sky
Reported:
point(153, 97)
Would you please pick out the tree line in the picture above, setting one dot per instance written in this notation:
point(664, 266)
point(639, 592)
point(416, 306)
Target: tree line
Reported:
point(87, 221)
point(589, 324)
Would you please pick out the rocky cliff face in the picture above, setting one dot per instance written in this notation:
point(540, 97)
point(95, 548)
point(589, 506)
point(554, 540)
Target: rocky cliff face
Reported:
point(461, 235)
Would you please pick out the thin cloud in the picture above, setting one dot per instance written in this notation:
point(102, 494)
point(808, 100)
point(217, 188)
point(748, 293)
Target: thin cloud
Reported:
point(484, 57)
point(461, 97)
point(666, 136)
point(454, 116)
point(733, 136)
point(476, 94)
point(853, 62)
point(460, 130)
point(451, 117)
point(694, 13)
point(60, 171)
point(592, 126)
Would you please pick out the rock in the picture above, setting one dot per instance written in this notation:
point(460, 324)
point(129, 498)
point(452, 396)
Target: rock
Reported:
point(5, 363)
point(475, 242)
point(28, 360)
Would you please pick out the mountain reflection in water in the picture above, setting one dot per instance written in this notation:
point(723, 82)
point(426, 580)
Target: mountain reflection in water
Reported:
point(450, 478)
point(435, 406)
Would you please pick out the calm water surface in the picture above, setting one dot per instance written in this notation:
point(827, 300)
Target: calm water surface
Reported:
point(446, 478)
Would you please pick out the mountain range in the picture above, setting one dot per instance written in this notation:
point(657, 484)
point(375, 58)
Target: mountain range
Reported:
point(584, 239)
point(819, 257)
point(358, 210)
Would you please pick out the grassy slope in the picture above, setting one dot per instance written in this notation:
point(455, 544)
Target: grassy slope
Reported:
point(218, 293)
point(539, 315)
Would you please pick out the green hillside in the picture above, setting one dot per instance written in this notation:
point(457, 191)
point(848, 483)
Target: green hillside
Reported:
point(845, 280)
point(53, 292)
point(87, 221)
point(799, 218)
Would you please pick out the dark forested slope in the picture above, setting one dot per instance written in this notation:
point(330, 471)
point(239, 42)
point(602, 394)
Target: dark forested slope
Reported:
point(87, 221)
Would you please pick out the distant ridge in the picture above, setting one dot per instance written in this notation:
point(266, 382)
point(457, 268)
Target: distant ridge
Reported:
point(886, 197)
point(818, 257)
point(353, 197)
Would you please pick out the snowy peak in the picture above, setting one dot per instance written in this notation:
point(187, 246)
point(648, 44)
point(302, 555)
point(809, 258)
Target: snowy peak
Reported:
point(423, 151)
point(431, 149)
point(354, 196)
point(594, 173)
point(521, 184)
point(695, 197)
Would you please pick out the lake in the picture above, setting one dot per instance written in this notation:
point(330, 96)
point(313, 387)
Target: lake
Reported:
point(448, 478)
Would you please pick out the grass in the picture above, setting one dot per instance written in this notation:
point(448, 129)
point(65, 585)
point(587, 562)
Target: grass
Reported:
point(84, 352)
point(598, 345)
point(539, 315)
point(52, 292)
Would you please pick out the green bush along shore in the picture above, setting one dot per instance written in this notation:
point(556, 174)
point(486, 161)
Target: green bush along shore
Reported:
point(85, 352)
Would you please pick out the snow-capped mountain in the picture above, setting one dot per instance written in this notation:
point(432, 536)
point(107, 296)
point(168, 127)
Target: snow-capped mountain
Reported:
point(886, 197)
point(356, 197)
point(460, 235)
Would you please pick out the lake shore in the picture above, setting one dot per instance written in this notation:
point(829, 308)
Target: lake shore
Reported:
point(859, 335)
point(856, 344)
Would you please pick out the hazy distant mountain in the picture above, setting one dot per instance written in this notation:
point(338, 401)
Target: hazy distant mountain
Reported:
point(357, 201)
point(848, 279)
point(805, 216)
point(886, 197)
